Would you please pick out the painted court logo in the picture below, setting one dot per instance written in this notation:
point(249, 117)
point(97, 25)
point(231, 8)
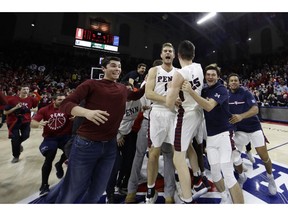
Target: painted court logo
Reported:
point(255, 189)
point(257, 183)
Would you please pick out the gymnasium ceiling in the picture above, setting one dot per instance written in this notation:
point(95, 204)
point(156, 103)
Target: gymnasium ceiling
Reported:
point(225, 26)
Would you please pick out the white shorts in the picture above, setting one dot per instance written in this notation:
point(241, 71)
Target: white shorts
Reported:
point(243, 138)
point(161, 127)
point(186, 126)
point(219, 148)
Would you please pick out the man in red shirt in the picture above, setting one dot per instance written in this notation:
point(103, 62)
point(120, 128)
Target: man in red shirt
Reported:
point(57, 130)
point(18, 112)
point(94, 148)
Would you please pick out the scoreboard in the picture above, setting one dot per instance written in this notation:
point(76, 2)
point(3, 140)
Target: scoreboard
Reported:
point(96, 40)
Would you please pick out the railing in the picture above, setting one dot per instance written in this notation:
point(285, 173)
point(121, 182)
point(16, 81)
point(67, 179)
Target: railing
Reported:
point(278, 114)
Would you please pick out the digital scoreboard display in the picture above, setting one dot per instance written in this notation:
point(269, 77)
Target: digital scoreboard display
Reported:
point(97, 40)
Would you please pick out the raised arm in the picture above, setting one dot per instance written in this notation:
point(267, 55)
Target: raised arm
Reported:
point(206, 104)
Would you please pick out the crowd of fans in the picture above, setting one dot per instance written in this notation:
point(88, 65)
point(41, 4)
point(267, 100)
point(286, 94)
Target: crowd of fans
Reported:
point(49, 72)
point(268, 82)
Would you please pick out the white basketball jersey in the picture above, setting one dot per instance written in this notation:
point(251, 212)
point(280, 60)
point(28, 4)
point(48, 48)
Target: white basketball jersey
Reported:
point(194, 74)
point(161, 85)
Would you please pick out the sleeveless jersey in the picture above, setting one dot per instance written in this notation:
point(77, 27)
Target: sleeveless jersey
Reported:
point(194, 74)
point(161, 85)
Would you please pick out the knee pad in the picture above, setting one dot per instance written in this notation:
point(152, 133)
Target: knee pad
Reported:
point(236, 157)
point(228, 173)
point(216, 172)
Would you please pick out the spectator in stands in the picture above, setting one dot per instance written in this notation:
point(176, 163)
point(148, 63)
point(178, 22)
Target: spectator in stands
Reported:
point(283, 100)
point(45, 100)
point(272, 100)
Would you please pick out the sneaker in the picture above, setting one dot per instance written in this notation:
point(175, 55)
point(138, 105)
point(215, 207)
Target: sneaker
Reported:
point(44, 189)
point(116, 189)
point(178, 199)
point(198, 190)
point(110, 198)
point(272, 186)
point(169, 200)
point(151, 200)
point(226, 201)
point(130, 198)
point(21, 148)
point(15, 160)
point(123, 191)
point(178, 188)
point(59, 170)
point(206, 182)
point(225, 198)
point(250, 157)
point(242, 179)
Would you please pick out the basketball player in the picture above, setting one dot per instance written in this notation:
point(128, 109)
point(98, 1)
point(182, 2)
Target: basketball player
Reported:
point(189, 116)
point(244, 108)
point(162, 121)
point(214, 101)
point(57, 130)
point(18, 112)
point(141, 148)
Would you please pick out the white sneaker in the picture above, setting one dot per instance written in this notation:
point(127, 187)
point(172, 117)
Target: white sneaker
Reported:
point(242, 179)
point(178, 199)
point(225, 199)
point(178, 188)
point(272, 186)
point(250, 157)
point(153, 199)
point(199, 190)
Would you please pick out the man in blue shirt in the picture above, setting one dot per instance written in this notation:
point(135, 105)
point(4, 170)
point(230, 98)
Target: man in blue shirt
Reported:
point(136, 77)
point(214, 101)
point(244, 108)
